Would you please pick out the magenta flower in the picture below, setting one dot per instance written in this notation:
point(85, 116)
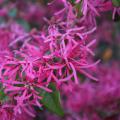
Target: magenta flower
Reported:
point(116, 11)
point(90, 99)
point(6, 113)
point(60, 53)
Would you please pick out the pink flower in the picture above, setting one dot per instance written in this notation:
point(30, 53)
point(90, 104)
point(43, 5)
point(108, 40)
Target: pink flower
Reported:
point(6, 113)
point(79, 97)
point(5, 35)
point(116, 11)
point(60, 53)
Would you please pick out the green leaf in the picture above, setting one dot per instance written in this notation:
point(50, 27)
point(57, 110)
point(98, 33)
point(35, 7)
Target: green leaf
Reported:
point(3, 97)
point(78, 7)
point(73, 1)
point(116, 3)
point(13, 12)
point(52, 101)
point(24, 23)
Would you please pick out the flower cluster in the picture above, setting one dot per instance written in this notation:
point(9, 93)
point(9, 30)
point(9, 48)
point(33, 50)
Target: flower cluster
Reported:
point(93, 101)
point(60, 53)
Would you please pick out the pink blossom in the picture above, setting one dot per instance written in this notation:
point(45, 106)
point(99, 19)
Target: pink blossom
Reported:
point(60, 53)
point(115, 11)
point(6, 113)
